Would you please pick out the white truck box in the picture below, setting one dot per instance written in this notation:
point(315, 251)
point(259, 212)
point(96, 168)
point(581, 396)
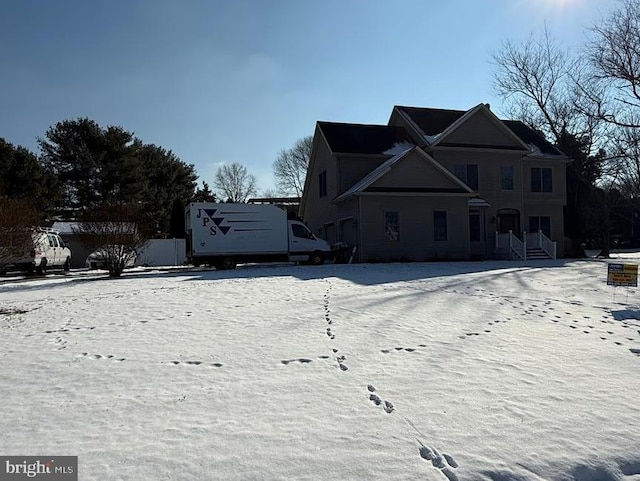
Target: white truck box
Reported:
point(224, 234)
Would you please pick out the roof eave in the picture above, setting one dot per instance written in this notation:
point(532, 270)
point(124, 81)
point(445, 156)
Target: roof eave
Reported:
point(557, 158)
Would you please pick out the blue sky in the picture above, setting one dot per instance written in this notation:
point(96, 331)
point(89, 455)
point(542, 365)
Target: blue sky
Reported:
point(239, 80)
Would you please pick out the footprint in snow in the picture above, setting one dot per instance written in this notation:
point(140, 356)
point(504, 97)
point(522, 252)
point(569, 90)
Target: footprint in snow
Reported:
point(196, 363)
point(96, 357)
point(407, 349)
point(444, 462)
point(305, 360)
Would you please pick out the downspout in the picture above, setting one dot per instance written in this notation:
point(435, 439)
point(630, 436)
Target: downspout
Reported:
point(358, 224)
point(521, 194)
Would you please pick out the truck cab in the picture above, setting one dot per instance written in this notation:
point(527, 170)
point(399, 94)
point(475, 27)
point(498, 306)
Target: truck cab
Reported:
point(304, 246)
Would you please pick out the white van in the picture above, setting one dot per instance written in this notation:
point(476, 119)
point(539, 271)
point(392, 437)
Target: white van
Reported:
point(48, 251)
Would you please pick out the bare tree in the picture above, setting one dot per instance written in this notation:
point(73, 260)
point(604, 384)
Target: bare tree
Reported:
point(234, 183)
point(290, 167)
point(116, 232)
point(18, 220)
point(549, 91)
point(270, 193)
point(628, 173)
point(543, 87)
point(614, 55)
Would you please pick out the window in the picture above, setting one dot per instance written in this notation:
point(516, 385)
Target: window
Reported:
point(329, 233)
point(391, 226)
point(301, 231)
point(474, 228)
point(467, 173)
point(323, 183)
point(439, 225)
point(542, 222)
point(506, 175)
point(541, 179)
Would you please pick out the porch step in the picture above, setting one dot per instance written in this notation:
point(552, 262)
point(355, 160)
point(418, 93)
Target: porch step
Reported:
point(535, 253)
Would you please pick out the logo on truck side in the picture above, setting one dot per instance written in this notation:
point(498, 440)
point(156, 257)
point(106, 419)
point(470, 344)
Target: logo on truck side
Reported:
point(208, 216)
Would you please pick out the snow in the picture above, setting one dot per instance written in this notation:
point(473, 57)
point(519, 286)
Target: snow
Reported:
point(426, 371)
point(399, 148)
point(432, 138)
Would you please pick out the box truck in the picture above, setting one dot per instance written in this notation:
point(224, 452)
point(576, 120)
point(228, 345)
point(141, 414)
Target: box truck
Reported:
point(223, 235)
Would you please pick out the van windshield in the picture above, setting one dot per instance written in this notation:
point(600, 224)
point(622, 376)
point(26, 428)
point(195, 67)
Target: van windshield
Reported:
point(301, 231)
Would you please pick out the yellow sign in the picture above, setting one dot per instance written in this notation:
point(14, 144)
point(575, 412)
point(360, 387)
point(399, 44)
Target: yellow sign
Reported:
point(625, 275)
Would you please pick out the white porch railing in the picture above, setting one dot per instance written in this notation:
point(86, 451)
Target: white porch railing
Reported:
point(517, 249)
point(512, 245)
point(540, 241)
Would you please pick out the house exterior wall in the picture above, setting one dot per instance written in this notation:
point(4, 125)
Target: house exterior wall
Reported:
point(521, 198)
point(489, 182)
point(352, 168)
point(416, 228)
point(414, 171)
point(559, 186)
point(479, 129)
point(546, 203)
point(317, 210)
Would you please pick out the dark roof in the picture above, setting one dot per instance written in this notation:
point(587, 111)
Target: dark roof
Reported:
point(530, 136)
point(432, 121)
point(362, 138)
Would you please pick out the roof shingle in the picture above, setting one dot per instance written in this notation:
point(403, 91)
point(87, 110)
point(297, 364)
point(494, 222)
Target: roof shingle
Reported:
point(361, 138)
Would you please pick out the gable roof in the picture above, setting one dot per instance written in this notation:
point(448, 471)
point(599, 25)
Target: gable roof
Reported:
point(362, 138)
point(431, 121)
point(385, 167)
point(437, 123)
point(531, 137)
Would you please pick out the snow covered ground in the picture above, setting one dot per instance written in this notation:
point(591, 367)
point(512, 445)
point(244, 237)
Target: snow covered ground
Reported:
point(470, 371)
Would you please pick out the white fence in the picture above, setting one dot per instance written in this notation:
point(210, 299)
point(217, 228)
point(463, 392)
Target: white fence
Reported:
point(162, 252)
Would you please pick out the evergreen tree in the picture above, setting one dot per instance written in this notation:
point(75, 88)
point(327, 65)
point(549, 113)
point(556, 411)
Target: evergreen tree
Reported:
point(204, 194)
point(74, 151)
point(22, 176)
point(97, 166)
point(167, 181)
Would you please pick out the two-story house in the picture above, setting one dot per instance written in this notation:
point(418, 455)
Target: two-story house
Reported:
point(436, 184)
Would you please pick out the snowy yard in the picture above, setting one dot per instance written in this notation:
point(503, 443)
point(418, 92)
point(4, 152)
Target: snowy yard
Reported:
point(470, 371)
